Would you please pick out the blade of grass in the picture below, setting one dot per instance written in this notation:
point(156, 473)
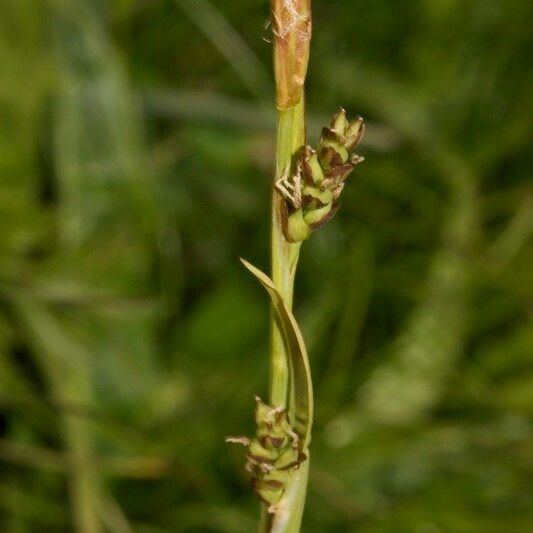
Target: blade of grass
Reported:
point(302, 388)
point(229, 43)
point(172, 104)
point(64, 364)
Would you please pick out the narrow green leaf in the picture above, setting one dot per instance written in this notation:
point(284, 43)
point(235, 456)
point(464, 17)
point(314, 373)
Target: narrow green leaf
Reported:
point(288, 516)
point(301, 410)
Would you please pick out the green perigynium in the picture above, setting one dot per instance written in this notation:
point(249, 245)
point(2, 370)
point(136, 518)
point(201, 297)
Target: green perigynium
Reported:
point(312, 193)
point(272, 454)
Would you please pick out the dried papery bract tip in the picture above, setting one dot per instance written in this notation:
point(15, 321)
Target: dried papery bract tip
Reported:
point(291, 25)
point(244, 441)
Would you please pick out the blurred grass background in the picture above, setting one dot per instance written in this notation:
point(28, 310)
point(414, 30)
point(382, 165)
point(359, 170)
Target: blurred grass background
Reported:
point(136, 147)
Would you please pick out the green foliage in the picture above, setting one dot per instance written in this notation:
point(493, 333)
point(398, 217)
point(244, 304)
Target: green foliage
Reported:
point(136, 150)
point(301, 404)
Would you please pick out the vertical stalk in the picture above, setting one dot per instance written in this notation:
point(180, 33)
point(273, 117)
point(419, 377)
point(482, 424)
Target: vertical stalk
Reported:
point(291, 25)
point(291, 137)
point(315, 179)
point(284, 257)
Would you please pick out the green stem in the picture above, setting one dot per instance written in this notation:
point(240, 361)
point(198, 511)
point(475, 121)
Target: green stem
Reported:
point(290, 139)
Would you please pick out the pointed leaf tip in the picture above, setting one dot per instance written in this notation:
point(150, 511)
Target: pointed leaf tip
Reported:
point(301, 410)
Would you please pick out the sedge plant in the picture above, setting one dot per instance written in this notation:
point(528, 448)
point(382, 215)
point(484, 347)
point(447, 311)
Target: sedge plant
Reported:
point(306, 189)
